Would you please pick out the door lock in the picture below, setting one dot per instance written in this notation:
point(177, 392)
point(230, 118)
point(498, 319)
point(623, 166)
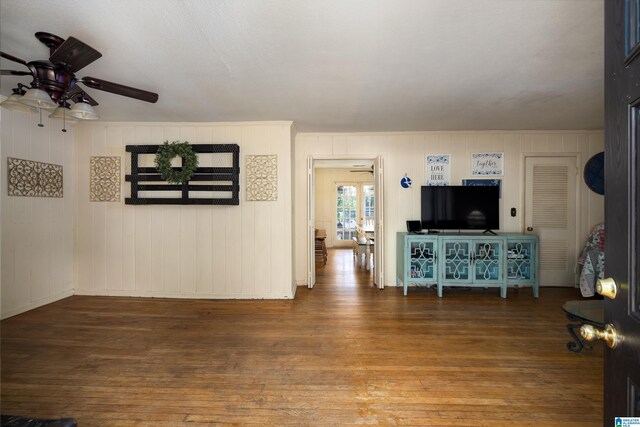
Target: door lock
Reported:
point(607, 287)
point(529, 228)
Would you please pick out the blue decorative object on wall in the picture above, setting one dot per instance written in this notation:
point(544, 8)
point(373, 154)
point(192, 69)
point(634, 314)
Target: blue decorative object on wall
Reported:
point(405, 182)
point(483, 182)
point(594, 173)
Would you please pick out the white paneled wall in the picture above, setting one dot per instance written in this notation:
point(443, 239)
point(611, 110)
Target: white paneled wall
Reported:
point(240, 251)
point(186, 251)
point(37, 232)
point(325, 196)
point(405, 153)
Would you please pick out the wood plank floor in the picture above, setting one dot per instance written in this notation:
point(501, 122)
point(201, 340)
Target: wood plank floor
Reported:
point(343, 353)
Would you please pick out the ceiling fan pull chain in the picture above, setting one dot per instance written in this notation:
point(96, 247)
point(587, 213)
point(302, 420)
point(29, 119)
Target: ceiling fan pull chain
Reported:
point(64, 125)
point(40, 125)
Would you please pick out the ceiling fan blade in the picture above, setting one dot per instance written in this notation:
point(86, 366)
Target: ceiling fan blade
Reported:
point(74, 55)
point(119, 89)
point(13, 58)
point(14, 73)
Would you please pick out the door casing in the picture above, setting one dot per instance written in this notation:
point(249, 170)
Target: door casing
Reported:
point(576, 214)
point(379, 214)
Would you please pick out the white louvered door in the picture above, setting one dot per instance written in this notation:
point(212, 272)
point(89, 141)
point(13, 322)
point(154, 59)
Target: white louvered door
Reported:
point(551, 213)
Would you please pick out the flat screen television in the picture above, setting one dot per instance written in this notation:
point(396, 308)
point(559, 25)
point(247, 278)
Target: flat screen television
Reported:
point(459, 207)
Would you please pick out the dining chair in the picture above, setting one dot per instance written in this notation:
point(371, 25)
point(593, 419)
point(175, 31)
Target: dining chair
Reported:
point(321, 246)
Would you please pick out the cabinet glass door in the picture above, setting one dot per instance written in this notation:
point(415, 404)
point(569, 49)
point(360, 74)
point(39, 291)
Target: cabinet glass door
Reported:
point(487, 261)
point(519, 265)
point(422, 260)
point(457, 261)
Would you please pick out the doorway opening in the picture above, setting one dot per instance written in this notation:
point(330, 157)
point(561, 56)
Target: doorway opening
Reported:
point(345, 217)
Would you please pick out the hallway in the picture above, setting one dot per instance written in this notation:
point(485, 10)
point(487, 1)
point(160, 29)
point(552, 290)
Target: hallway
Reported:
point(341, 270)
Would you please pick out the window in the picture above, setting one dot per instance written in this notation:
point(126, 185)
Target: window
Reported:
point(369, 204)
point(354, 206)
point(347, 212)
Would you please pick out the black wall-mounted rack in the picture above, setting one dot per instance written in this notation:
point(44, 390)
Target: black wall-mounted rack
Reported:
point(219, 179)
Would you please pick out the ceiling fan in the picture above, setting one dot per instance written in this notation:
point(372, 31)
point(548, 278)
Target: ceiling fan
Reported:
point(54, 83)
point(367, 170)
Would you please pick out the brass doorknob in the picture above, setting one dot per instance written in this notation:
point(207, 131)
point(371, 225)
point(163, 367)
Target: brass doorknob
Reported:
point(609, 335)
point(607, 287)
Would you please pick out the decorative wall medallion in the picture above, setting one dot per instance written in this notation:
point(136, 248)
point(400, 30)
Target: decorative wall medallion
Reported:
point(34, 179)
point(262, 178)
point(104, 183)
point(405, 182)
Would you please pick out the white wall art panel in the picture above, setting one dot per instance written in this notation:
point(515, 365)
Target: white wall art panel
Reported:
point(27, 178)
point(262, 177)
point(104, 179)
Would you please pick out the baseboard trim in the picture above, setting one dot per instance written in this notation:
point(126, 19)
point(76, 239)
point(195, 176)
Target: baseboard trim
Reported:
point(152, 294)
point(39, 303)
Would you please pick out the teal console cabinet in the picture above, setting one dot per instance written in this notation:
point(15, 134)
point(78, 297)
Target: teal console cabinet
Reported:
point(473, 260)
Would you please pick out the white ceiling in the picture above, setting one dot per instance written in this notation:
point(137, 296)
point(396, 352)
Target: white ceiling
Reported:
point(335, 65)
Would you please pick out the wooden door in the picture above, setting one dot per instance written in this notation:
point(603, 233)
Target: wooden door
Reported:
point(551, 214)
point(622, 198)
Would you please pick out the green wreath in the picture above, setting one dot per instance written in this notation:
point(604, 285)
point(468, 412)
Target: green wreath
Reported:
point(166, 152)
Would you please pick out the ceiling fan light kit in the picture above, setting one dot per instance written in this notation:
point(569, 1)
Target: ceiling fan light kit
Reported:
point(13, 102)
point(54, 83)
point(38, 98)
point(83, 111)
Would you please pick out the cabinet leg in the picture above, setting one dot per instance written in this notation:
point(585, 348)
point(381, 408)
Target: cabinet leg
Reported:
point(503, 291)
point(439, 290)
point(536, 291)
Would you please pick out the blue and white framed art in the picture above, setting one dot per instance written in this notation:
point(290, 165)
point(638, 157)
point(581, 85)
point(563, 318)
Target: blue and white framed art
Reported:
point(484, 183)
point(438, 169)
point(487, 164)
